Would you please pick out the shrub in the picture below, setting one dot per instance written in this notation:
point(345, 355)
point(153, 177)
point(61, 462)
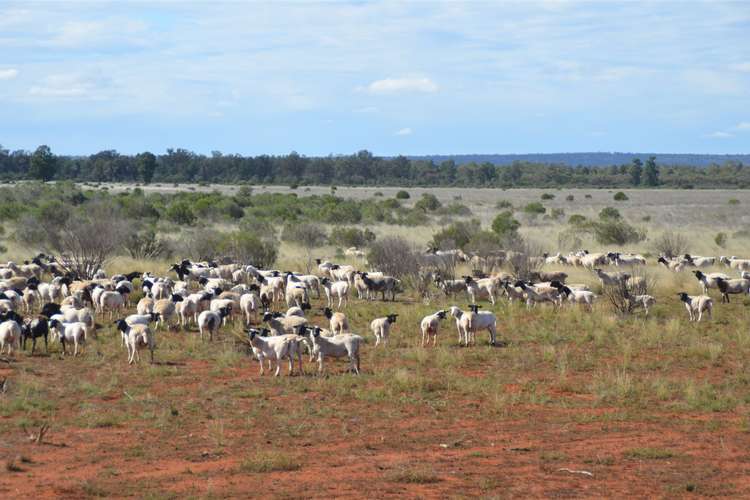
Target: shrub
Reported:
point(588, 196)
point(403, 195)
point(609, 213)
point(620, 196)
point(351, 237)
point(503, 204)
point(734, 201)
point(428, 203)
point(180, 212)
point(670, 244)
point(721, 240)
point(304, 235)
point(455, 209)
point(247, 248)
point(570, 197)
point(557, 213)
point(505, 226)
point(146, 245)
point(378, 194)
point(534, 208)
point(577, 220)
point(616, 232)
point(548, 196)
point(456, 235)
point(399, 258)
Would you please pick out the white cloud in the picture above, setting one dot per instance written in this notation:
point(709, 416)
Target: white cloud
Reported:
point(719, 134)
point(66, 86)
point(401, 85)
point(8, 74)
point(404, 131)
point(743, 126)
point(743, 67)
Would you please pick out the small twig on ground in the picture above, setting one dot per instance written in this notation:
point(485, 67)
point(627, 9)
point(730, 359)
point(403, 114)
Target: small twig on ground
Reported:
point(581, 472)
point(3, 385)
point(39, 436)
point(128, 395)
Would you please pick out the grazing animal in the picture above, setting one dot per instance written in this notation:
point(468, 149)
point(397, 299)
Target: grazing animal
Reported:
point(337, 320)
point(33, 329)
point(381, 328)
point(696, 305)
point(74, 333)
point(732, 286)
point(338, 346)
point(275, 348)
point(211, 321)
point(430, 326)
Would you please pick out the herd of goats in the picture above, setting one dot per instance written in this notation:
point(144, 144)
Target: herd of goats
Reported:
point(57, 303)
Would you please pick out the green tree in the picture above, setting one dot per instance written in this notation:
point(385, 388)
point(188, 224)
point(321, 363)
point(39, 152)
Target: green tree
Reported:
point(651, 172)
point(636, 169)
point(180, 212)
point(43, 164)
point(505, 225)
point(146, 165)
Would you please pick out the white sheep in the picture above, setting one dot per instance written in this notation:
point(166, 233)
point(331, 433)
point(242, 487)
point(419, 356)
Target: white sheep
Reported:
point(275, 348)
point(696, 305)
point(468, 323)
point(136, 336)
point(732, 286)
point(381, 328)
point(338, 346)
point(482, 287)
point(10, 335)
point(430, 325)
point(338, 322)
point(337, 289)
point(211, 320)
point(69, 332)
point(709, 280)
point(643, 301)
point(112, 302)
point(249, 304)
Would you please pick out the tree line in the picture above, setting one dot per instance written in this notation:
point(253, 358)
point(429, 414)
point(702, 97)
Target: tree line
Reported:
point(360, 169)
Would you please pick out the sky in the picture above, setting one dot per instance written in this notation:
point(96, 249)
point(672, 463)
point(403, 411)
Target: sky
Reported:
point(391, 77)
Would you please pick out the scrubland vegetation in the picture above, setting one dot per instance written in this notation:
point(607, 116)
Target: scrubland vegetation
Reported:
point(646, 405)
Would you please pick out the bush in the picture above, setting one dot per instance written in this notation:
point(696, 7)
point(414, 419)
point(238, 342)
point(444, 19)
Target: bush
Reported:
point(304, 235)
point(670, 244)
point(620, 196)
point(721, 240)
point(248, 248)
point(503, 204)
point(397, 257)
point(378, 194)
point(456, 235)
point(534, 208)
point(609, 213)
point(588, 196)
point(428, 203)
point(557, 213)
point(570, 197)
point(180, 212)
point(403, 195)
point(616, 232)
point(577, 220)
point(505, 226)
point(351, 237)
point(146, 245)
point(548, 196)
point(734, 201)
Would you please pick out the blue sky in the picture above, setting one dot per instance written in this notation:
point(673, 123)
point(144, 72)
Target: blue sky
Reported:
point(394, 78)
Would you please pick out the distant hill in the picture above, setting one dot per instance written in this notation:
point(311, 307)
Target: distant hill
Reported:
point(589, 159)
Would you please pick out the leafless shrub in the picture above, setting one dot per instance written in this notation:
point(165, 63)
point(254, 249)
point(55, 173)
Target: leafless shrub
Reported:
point(83, 241)
point(396, 257)
point(619, 296)
point(306, 236)
point(524, 258)
point(670, 244)
point(146, 245)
